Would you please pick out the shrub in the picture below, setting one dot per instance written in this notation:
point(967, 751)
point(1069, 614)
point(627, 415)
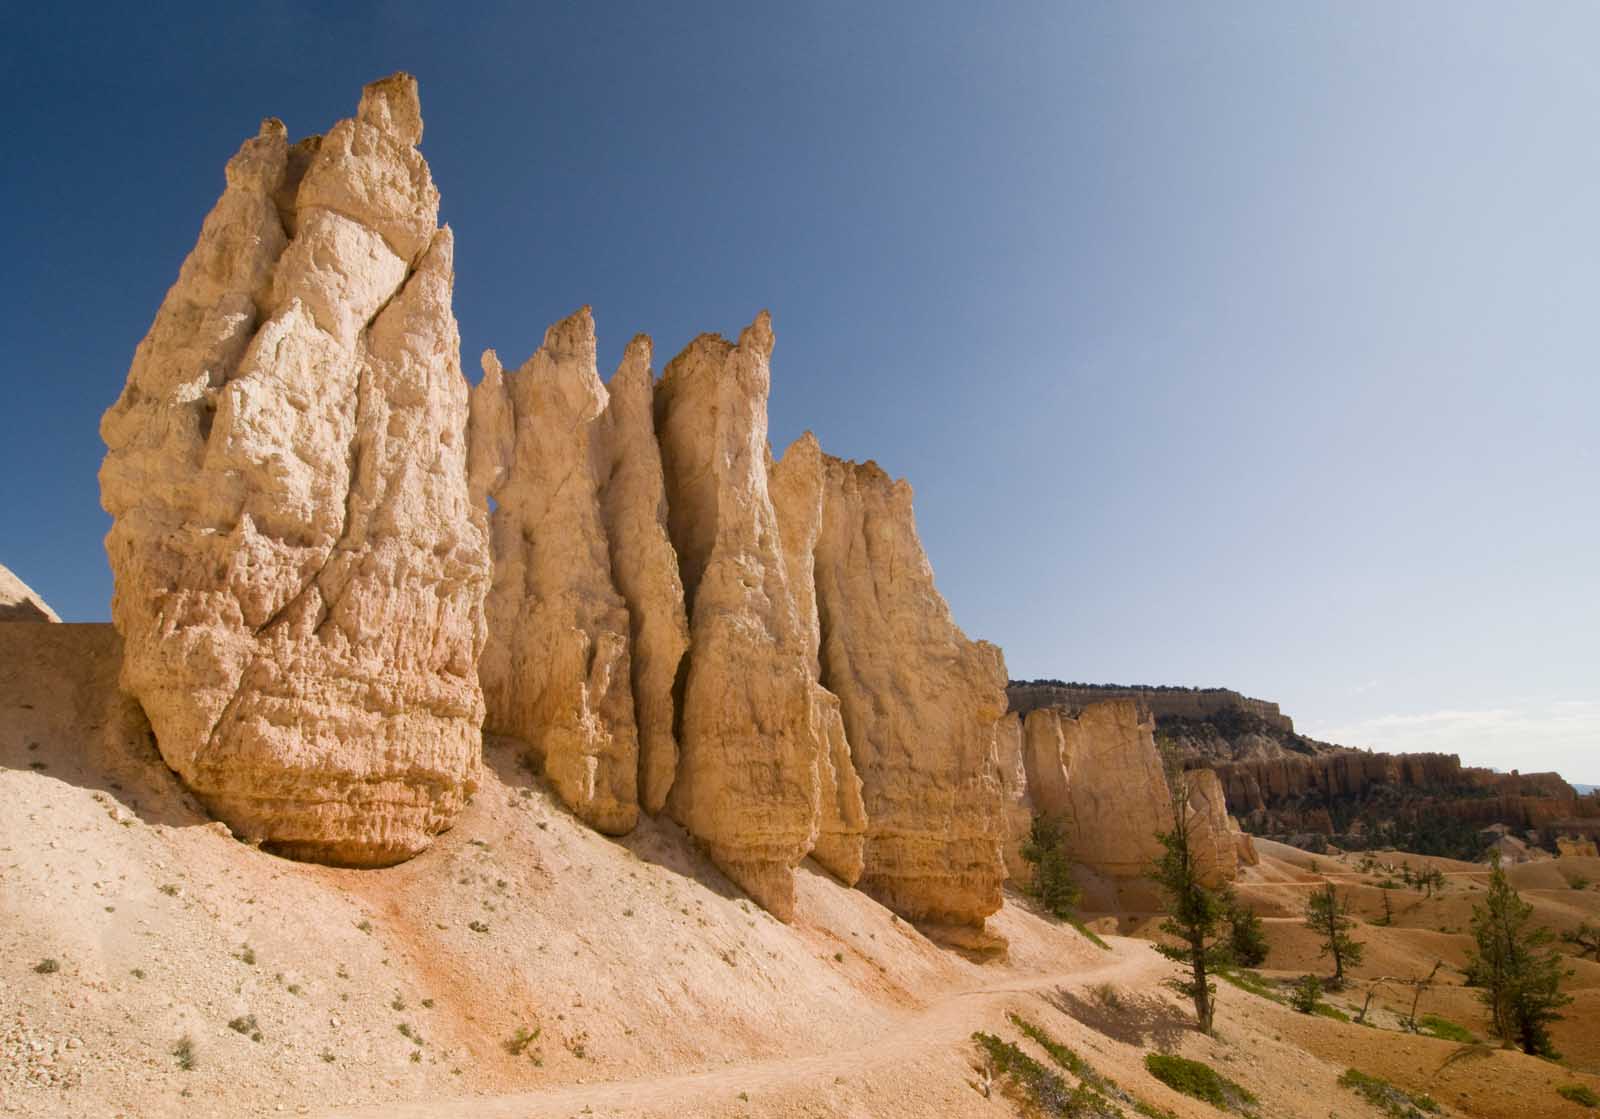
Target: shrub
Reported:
point(1435, 1026)
point(1305, 994)
point(184, 1051)
point(47, 967)
point(1045, 849)
point(1386, 1097)
point(517, 1044)
point(1579, 1094)
point(1042, 1090)
point(1200, 1080)
point(246, 1024)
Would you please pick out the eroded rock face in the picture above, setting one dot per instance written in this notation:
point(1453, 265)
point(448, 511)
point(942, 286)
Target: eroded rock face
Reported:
point(1016, 801)
point(1217, 852)
point(644, 566)
point(920, 704)
point(748, 784)
point(1099, 771)
point(299, 571)
point(556, 672)
point(20, 603)
point(795, 484)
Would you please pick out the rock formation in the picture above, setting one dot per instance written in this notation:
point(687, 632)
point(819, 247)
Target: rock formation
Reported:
point(1016, 803)
point(1099, 772)
point(1163, 702)
point(20, 603)
point(645, 567)
point(1217, 851)
point(299, 571)
point(556, 671)
point(920, 705)
point(795, 483)
point(748, 781)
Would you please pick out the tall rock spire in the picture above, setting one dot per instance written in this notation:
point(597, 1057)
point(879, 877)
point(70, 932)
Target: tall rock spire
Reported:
point(299, 572)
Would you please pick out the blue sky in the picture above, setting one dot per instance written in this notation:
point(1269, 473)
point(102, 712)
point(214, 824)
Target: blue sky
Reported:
point(1241, 344)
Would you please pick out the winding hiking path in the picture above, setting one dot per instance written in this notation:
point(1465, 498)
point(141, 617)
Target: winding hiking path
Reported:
point(946, 1022)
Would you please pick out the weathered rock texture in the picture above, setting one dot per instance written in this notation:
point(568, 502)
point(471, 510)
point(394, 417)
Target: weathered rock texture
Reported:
point(644, 565)
point(1016, 803)
point(920, 703)
point(748, 782)
point(556, 672)
point(795, 484)
point(20, 603)
point(1099, 772)
point(1216, 850)
point(299, 571)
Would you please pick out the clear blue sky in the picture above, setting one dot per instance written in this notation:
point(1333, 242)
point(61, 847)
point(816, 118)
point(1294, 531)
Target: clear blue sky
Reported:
point(1243, 344)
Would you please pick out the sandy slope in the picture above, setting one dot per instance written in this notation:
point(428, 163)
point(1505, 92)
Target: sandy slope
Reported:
point(653, 986)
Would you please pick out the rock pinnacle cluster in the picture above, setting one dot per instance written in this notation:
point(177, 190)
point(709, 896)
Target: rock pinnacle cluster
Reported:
point(337, 566)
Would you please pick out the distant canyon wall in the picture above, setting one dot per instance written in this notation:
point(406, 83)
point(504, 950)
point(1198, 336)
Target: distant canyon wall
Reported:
point(1190, 703)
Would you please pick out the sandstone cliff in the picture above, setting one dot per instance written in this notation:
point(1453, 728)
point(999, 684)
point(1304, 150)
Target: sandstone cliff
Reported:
point(556, 671)
point(299, 571)
point(1217, 851)
point(920, 704)
point(20, 603)
point(1016, 802)
point(748, 784)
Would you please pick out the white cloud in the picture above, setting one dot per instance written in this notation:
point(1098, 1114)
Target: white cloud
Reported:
point(1563, 735)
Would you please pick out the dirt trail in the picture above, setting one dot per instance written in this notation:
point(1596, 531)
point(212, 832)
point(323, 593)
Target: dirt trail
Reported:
point(945, 1023)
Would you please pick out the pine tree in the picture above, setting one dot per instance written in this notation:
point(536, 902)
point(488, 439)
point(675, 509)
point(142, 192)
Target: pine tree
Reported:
point(1045, 848)
point(1329, 915)
point(1518, 973)
point(1247, 940)
point(1196, 914)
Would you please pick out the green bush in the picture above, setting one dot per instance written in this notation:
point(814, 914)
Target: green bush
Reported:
point(1045, 849)
point(1579, 1094)
point(1435, 1026)
point(1305, 994)
point(1247, 940)
point(1044, 1091)
point(1386, 1097)
point(1194, 1078)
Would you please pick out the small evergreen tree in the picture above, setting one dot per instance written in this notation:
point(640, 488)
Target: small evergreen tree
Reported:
point(1305, 994)
point(1328, 915)
point(1196, 913)
point(1388, 911)
point(1045, 849)
point(1247, 939)
point(1518, 973)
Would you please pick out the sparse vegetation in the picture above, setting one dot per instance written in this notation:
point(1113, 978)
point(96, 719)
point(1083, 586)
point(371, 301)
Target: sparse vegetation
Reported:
point(1517, 972)
point(1435, 1026)
point(1328, 915)
point(1107, 995)
point(1585, 938)
point(47, 966)
point(1579, 1094)
point(183, 1050)
point(246, 1024)
point(247, 955)
point(1037, 1088)
point(1200, 1080)
point(517, 1044)
point(170, 890)
point(1306, 993)
point(1247, 940)
point(1196, 913)
point(478, 926)
point(1045, 850)
point(1386, 1097)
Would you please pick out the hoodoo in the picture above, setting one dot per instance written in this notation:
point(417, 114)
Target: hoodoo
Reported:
point(299, 573)
point(748, 785)
point(920, 704)
point(556, 672)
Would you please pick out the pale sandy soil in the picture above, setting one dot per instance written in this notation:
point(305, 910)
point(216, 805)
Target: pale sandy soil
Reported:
point(653, 986)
